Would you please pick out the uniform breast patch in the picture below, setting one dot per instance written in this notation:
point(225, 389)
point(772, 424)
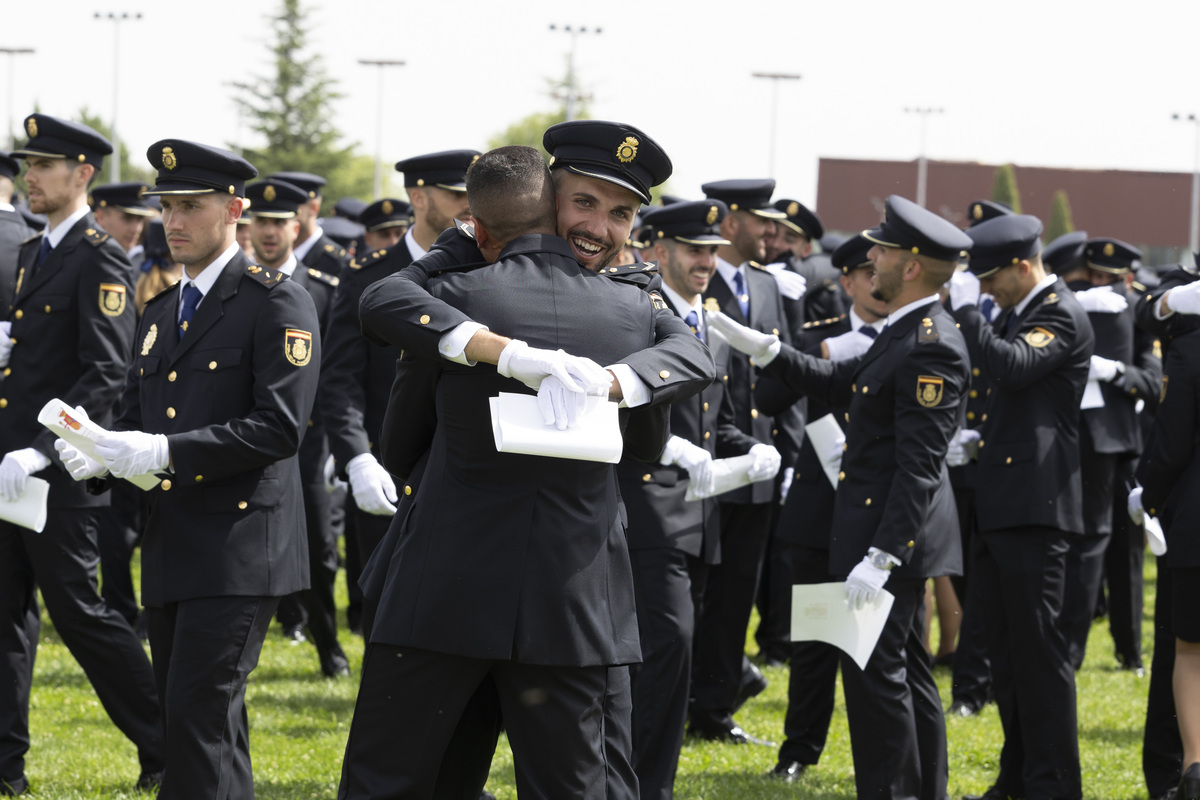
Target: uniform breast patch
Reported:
point(151, 338)
point(112, 299)
point(929, 390)
point(297, 346)
point(1039, 337)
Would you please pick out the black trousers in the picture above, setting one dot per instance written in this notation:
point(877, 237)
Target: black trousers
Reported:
point(1020, 573)
point(369, 530)
point(118, 531)
point(1124, 562)
point(897, 727)
point(410, 703)
point(972, 676)
point(315, 606)
point(774, 602)
point(204, 651)
point(1162, 748)
point(62, 562)
point(720, 650)
point(812, 671)
point(1084, 576)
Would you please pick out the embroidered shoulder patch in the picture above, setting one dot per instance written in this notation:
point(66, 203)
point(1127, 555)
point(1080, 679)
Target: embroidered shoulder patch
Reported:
point(929, 390)
point(1039, 337)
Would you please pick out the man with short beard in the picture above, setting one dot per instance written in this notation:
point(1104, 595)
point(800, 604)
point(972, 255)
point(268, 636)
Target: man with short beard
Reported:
point(314, 249)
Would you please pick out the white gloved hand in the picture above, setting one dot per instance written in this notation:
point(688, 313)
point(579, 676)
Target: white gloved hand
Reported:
point(762, 347)
point(964, 290)
point(531, 366)
point(1185, 299)
point(865, 580)
point(332, 482)
point(848, 345)
point(1104, 369)
point(129, 453)
point(1102, 300)
point(792, 285)
point(1134, 504)
point(15, 470)
point(560, 406)
point(80, 465)
point(372, 485)
point(963, 447)
point(696, 460)
point(766, 463)
point(5, 342)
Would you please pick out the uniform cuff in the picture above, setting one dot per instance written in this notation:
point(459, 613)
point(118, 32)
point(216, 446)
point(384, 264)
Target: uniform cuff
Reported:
point(453, 345)
point(634, 391)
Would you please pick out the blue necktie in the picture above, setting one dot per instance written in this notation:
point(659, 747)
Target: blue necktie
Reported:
point(1010, 324)
point(44, 251)
point(868, 331)
point(742, 297)
point(191, 299)
point(988, 309)
point(693, 319)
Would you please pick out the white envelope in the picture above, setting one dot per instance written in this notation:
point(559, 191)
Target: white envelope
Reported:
point(28, 510)
point(823, 433)
point(820, 613)
point(728, 474)
point(82, 435)
point(1154, 535)
point(1092, 396)
point(518, 427)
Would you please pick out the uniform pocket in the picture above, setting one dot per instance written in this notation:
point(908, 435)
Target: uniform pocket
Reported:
point(239, 498)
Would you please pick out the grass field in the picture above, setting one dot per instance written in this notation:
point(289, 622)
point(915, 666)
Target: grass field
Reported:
point(299, 722)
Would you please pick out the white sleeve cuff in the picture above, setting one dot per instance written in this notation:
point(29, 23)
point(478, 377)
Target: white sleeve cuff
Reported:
point(453, 345)
point(772, 351)
point(1158, 304)
point(634, 391)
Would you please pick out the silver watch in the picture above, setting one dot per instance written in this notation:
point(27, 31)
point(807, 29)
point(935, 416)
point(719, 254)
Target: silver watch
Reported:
point(882, 560)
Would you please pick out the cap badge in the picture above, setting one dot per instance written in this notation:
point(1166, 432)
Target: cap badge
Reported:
point(977, 211)
point(269, 194)
point(31, 127)
point(387, 208)
point(793, 209)
point(168, 160)
point(1109, 249)
point(713, 213)
point(627, 150)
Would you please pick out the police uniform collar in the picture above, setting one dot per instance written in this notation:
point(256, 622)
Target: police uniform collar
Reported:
point(59, 232)
point(289, 266)
point(681, 304)
point(1042, 285)
point(857, 322)
point(208, 276)
point(904, 311)
point(410, 241)
point(538, 243)
point(300, 249)
point(728, 270)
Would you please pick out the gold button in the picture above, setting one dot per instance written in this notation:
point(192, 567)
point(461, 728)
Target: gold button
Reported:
point(141, 372)
point(854, 388)
point(754, 413)
point(7, 371)
point(706, 406)
point(842, 476)
point(666, 373)
point(19, 313)
point(983, 418)
point(707, 434)
point(753, 386)
point(170, 413)
point(845, 446)
point(775, 431)
point(46, 309)
point(974, 394)
point(166, 485)
point(775, 331)
point(1133, 390)
point(927, 322)
point(199, 478)
point(751, 362)
point(911, 543)
point(1153, 512)
point(408, 490)
point(864, 390)
point(310, 423)
point(725, 378)
point(847, 416)
point(868, 501)
point(172, 375)
point(970, 415)
point(242, 505)
point(3, 402)
point(981, 444)
point(975, 371)
point(212, 365)
point(646, 478)
point(424, 319)
point(1008, 460)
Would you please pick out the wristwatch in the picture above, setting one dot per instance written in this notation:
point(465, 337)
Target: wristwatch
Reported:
point(882, 560)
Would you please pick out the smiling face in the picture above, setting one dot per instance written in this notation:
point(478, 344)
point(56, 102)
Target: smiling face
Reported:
point(686, 268)
point(594, 216)
point(888, 280)
point(199, 227)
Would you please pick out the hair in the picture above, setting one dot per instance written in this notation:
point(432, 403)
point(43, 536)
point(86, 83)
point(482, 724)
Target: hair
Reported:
point(511, 192)
point(935, 270)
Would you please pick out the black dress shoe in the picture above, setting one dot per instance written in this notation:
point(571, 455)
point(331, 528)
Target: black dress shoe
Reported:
point(335, 665)
point(294, 634)
point(753, 684)
point(14, 787)
point(787, 771)
point(729, 735)
point(1189, 786)
point(148, 781)
point(944, 660)
point(1169, 794)
point(991, 794)
point(963, 708)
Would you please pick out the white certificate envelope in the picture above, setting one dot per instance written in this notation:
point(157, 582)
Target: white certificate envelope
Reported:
point(518, 428)
point(1154, 536)
point(820, 613)
point(82, 435)
point(728, 474)
point(824, 433)
point(28, 510)
point(1092, 396)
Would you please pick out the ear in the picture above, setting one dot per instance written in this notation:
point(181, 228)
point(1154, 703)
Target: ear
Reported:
point(659, 251)
point(84, 174)
point(233, 210)
point(417, 197)
point(483, 237)
point(912, 269)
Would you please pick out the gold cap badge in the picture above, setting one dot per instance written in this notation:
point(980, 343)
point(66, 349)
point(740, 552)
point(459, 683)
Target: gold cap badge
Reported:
point(713, 213)
point(977, 211)
point(269, 194)
point(387, 208)
point(31, 127)
point(793, 209)
point(1109, 249)
point(627, 150)
point(168, 160)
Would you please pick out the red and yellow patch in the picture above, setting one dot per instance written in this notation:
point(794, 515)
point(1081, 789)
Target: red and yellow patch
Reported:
point(112, 299)
point(929, 390)
point(297, 346)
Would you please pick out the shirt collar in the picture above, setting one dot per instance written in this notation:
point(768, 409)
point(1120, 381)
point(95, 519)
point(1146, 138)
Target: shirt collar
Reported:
point(415, 249)
point(208, 276)
point(903, 311)
point(7, 207)
point(1045, 282)
point(289, 266)
point(728, 270)
point(55, 235)
point(301, 250)
point(682, 306)
point(857, 322)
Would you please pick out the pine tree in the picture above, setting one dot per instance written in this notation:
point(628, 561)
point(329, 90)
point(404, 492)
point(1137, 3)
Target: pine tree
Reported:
point(1060, 217)
point(1004, 188)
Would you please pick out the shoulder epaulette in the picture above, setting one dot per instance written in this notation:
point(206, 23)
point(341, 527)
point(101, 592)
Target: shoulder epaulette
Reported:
point(370, 259)
point(36, 236)
point(1140, 288)
point(323, 277)
point(465, 229)
point(636, 268)
point(267, 277)
point(335, 250)
point(927, 331)
point(821, 323)
point(757, 265)
point(164, 293)
point(1050, 299)
point(95, 237)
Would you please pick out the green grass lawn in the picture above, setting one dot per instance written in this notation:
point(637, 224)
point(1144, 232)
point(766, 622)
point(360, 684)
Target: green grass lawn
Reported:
point(299, 722)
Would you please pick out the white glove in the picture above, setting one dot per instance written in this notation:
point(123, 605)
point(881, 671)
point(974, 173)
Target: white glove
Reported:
point(1185, 299)
point(1104, 369)
point(531, 365)
point(964, 290)
point(963, 447)
point(792, 285)
point(5, 342)
point(1101, 300)
point(560, 406)
point(836, 451)
point(1134, 504)
point(864, 582)
point(16, 468)
point(696, 460)
point(80, 465)
point(129, 453)
point(332, 482)
point(762, 347)
point(766, 463)
point(848, 345)
point(372, 485)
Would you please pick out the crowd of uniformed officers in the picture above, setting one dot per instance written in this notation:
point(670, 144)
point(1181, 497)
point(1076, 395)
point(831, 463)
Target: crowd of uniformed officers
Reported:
point(1018, 420)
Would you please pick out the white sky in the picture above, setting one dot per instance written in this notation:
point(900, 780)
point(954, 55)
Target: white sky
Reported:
point(1034, 82)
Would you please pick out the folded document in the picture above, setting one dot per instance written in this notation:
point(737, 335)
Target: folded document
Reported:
point(820, 613)
point(518, 427)
point(82, 435)
point(28, 510)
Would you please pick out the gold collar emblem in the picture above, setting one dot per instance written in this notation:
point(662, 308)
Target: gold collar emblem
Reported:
point(711, 305)
point(151, 338)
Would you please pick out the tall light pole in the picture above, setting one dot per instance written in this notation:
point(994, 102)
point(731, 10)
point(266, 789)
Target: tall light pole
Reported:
point(12, 53)
point(774, 78)
point(116, 17)
point(381, 63)
point(572, 93)
point(922, 162)
point(1194, 226)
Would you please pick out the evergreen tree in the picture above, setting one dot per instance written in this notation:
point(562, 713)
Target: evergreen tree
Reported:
point(1060, 217)
point(1004, 188)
